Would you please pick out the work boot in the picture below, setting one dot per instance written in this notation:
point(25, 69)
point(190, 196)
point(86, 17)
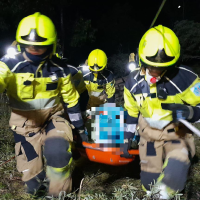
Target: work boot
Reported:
point(37, 186)
point(60, 181)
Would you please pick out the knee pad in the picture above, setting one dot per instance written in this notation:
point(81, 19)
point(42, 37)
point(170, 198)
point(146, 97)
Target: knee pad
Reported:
point(148, 178)
point(56, 152)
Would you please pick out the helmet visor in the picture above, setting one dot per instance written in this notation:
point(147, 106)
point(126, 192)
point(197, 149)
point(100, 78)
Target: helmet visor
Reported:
point(33, 37)
point(95, 67)
point(160, 57)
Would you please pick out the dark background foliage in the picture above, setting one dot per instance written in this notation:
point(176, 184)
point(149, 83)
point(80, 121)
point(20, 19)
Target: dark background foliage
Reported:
point(113, 26)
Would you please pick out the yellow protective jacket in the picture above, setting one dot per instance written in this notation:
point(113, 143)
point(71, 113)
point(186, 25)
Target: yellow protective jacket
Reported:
point(182, 86)
point(40, 87)
point(103, 84)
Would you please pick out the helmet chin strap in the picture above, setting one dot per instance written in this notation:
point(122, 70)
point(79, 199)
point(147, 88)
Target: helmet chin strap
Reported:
point(95, 74)
point(151, 79)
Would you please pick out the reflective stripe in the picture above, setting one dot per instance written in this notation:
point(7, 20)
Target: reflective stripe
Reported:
point(136, 84)
point(136, 75)
point(104, 77)
point(187, 70)
point(72, 67)
point(35, 104)
point(173, 84)
point(96, 94)
point(130, 128)
point(87, 74)
point(15, 67)
point(75, 116)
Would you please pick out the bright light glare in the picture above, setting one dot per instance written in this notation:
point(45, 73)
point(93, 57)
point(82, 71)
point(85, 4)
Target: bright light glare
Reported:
point(85, 67)
point(132, 66)
point(11, 52)
point(32, 36)
point(179, 6)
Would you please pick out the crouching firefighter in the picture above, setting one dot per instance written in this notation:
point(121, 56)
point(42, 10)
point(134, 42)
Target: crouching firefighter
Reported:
point(35, 82)
point(156, 96)
point(99, 81)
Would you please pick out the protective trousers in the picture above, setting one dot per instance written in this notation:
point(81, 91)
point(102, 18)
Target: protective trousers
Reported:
point(164, 155)
point(52, 140)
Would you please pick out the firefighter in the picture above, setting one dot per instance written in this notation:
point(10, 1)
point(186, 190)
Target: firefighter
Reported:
point(99, 81)
point(78, 81)
point(35, 82)
point(156, 96)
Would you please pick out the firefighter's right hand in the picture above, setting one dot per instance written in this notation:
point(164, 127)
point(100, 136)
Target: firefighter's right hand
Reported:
point(126, 147)
point(83, 137)
point(80, 135)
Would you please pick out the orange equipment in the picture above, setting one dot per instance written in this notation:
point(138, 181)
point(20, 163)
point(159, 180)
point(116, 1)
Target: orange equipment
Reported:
point(109, 156)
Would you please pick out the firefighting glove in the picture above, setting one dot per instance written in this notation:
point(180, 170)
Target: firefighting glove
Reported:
point(126, 147)
point(179, 111)
point(80, 135)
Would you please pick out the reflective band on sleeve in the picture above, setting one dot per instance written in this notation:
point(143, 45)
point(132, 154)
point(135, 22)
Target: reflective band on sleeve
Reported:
point(131, 128)
point(75, 116)
point(95, 94)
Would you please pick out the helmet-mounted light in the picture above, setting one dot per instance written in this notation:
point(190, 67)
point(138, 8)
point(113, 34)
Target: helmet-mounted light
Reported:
point(132, 66)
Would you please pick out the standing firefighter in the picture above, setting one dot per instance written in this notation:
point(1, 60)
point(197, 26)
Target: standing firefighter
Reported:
point(156, 96)
point(35, 82)
point(99, 81)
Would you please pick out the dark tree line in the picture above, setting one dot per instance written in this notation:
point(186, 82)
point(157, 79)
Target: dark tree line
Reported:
point(113, 26)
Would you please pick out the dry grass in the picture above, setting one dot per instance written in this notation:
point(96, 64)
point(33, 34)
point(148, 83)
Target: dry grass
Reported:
point(101, 182)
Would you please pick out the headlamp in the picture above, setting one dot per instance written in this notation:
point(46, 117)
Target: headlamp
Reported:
point(11, 52)
point(132, 66)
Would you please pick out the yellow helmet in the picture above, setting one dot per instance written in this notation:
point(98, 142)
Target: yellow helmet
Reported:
point(159, 47)
point(38, 30)
point(97, 60)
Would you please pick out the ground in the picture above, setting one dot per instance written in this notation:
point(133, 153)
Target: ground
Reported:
point(99, 182)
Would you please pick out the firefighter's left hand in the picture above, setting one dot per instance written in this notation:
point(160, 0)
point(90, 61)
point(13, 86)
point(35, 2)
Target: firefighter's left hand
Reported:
point(179, 111)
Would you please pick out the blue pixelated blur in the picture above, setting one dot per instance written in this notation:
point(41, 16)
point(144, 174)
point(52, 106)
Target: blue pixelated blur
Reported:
point(107, 124)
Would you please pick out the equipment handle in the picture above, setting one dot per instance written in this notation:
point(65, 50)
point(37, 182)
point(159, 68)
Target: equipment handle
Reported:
point(190, 126)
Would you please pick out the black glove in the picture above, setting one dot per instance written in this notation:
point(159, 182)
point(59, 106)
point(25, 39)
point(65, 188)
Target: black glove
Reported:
point(80, 135)
point(126, 147)
point(179, 111)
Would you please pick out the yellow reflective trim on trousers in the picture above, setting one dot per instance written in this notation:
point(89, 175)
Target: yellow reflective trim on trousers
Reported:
point(66, 171)
point(144, 188)
point(160, 178)
point(69, 149)
point(165, 163)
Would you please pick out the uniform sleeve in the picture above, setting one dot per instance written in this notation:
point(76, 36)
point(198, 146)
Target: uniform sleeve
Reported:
point(110, 91)
point(191, 96)
point(70, 98)
point(5, 76)
point(130, 104)
point(78, 82)
point(133, 112)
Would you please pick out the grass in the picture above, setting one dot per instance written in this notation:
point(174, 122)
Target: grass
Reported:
point(99, 182)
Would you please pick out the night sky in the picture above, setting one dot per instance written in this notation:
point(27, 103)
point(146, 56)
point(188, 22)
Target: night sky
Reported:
point(119, 25)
